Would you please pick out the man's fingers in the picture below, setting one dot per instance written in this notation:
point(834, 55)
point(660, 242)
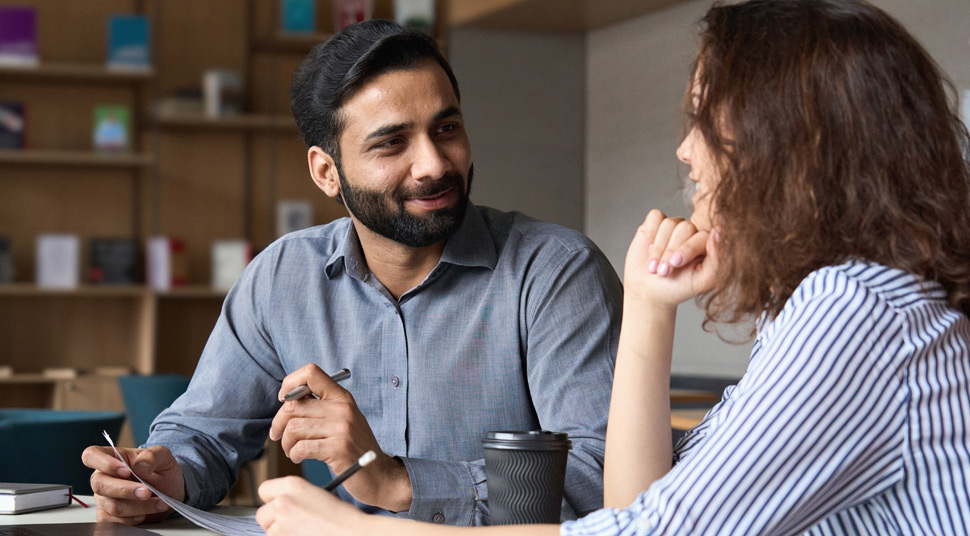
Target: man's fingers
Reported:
point(297, 378)
point(314, 377)
point(112, 487)
point(129, 509)
point(103, 459)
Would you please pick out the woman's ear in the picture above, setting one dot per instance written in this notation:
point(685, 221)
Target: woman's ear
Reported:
point(323, 170)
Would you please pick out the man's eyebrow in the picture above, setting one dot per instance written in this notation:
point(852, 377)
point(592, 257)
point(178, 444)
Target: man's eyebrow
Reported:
point(447, 112)
point(388, 130)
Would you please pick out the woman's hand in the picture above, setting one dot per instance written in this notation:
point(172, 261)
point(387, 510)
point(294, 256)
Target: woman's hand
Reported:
point(669, 261)
point(295, 507)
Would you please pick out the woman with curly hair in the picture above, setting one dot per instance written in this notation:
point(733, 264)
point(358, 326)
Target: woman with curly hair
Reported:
point(832, 210)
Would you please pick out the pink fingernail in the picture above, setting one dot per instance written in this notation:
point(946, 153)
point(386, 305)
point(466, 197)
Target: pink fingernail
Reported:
point(676, 259)
point(652, 267)
point(664, 268)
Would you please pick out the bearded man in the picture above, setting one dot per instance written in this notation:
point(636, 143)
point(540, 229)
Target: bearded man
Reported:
point(453, 319)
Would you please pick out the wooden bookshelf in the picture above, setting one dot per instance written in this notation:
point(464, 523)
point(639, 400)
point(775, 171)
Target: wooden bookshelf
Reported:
point(54, 157)
point(86, 291)
point(75, 73)
point(251, 122)
point(549, 15)
point(281, 42)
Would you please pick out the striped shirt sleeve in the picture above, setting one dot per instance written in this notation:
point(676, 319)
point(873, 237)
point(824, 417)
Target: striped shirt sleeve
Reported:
point(817, 424)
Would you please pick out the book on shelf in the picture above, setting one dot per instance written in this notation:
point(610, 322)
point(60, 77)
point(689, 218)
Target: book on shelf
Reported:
point(298, 16)
point(416, 14)
point(6, 260)
point(185, 101)
point(222, 91)
point(58, 261)
point(166, 263)
point(129, 41)
point(113, 261)
point(18, 36)
point(13, 125)
point(113, 371)
point(60, 373)
point(347, 12)
point(111, 128)
point(18, 498)
point(293, 215)
point(229, 259)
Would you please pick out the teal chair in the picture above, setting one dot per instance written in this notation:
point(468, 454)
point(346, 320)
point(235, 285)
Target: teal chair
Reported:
point(316, 472)
point(146, 396)
point(44, 446)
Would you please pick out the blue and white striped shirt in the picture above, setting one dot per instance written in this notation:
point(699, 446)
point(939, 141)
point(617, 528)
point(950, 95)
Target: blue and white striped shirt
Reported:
point(852, 418)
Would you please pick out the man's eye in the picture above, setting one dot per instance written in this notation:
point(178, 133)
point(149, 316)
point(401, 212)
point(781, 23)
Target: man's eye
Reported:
point(389, 143)
point(447, 128)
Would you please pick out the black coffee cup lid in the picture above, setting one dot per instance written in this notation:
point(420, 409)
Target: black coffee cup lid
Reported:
point(531, 440)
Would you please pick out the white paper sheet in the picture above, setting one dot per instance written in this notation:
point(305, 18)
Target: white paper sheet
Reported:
point(223, 524)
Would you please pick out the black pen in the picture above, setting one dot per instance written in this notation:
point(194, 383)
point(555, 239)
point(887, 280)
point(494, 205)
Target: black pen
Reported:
point(368, 457)
point(304, 390)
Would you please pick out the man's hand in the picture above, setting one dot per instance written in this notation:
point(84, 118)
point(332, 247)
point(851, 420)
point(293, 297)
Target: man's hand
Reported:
point(122, 499)
point(333, 429)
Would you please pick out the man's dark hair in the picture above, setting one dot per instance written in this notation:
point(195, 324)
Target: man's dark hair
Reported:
point(340, 66)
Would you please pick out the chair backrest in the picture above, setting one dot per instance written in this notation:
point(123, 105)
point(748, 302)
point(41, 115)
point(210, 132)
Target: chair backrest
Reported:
point(316, 472)
point(44, 446)
point(146, 396)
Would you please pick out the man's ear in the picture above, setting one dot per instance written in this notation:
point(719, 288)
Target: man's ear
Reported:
point(323, 170)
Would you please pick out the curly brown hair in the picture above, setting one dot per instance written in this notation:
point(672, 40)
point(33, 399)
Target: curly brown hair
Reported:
point(835, 138)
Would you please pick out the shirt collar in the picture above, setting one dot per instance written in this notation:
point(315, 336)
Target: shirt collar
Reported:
point(347, 254)
point(470, 245)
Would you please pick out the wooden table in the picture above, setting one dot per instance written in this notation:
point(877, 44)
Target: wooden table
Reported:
point(685, 419)
point(690, 396)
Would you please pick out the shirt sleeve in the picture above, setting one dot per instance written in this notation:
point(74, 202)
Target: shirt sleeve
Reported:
point(817, 424)
point(572, 330)
point(223, 418)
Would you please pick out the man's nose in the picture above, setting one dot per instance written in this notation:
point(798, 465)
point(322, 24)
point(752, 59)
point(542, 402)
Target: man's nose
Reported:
point(429, 162)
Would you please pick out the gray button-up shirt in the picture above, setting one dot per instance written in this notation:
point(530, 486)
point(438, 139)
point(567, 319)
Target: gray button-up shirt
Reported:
point(515, 329)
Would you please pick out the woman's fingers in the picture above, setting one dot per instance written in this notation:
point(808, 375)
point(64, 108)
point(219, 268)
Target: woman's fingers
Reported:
point(661, 241)
point(686, 244)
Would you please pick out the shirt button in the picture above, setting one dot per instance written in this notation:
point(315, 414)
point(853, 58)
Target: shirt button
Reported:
point(395, 381)
point(438, 518)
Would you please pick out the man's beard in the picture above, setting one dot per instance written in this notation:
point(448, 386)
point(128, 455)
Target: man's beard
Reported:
point(385, 214)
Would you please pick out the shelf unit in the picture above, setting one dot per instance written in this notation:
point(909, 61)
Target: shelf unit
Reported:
point(188, 176)
point(549, 15)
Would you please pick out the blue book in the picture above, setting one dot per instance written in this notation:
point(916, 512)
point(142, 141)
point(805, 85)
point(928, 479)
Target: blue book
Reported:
point(128, 42)
point(298, 16)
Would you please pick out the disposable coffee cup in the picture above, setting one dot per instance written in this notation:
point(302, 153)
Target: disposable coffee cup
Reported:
point(525, 472)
